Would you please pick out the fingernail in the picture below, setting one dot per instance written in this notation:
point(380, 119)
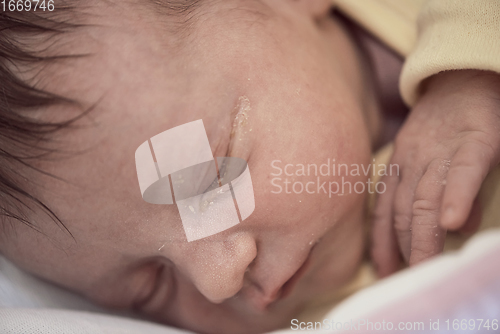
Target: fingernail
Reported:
point(447, 217)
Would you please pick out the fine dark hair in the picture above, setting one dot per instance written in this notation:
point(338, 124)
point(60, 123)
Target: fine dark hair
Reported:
point(23, 137)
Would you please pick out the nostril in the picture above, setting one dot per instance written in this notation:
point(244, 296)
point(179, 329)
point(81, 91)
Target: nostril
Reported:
point(250, 265)
point(218, 289)
point(216, 301)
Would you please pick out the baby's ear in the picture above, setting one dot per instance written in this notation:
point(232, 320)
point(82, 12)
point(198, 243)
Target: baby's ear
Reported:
point(315, 8)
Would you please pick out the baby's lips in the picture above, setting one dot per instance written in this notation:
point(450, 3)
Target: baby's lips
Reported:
point(260, 300)
point(261, 295)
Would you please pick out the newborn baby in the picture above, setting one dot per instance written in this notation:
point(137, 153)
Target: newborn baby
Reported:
point(108, 75)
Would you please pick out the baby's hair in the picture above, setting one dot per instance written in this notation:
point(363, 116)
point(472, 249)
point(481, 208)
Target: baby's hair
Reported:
point(24, 138)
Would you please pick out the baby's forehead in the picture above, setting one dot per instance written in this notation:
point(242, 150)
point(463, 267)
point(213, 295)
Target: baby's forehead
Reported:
point(131, 45)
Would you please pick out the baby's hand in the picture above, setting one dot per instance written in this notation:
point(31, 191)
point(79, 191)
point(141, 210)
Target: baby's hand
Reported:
point(449, 143)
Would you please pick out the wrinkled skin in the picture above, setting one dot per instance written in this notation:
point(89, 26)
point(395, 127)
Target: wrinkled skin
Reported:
point(441, 171)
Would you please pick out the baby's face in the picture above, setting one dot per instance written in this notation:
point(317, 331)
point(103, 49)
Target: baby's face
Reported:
point(304, 92)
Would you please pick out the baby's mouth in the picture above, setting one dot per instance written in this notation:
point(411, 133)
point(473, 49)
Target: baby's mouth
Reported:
point(262, 304)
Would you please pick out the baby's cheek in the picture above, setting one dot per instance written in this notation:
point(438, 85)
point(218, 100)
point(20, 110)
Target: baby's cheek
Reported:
point(126, 288)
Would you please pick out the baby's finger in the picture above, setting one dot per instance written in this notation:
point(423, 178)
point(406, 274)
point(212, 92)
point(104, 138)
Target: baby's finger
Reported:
point(427, 238)
point(474, 220)
point(384, 250)
point(403, 202)
point(469, 167)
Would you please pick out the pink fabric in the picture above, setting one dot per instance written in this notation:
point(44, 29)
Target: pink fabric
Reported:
point(471, 292)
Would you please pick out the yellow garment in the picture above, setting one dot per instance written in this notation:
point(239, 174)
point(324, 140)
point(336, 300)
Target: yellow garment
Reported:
point(433, 35)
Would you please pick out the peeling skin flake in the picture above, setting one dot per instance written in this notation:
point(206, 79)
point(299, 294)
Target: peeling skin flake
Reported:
point(240, 126)
point(243, 108)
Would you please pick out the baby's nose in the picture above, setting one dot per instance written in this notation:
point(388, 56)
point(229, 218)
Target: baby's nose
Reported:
point(220, 273)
